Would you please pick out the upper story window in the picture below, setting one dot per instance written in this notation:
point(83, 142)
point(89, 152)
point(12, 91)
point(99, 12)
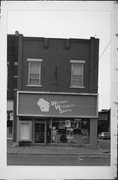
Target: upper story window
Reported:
point(34, 72)
point(77, 73)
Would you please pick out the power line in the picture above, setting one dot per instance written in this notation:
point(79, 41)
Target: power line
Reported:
point(104, 50)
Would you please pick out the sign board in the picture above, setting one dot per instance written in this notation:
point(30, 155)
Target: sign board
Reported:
point(103, 116)
point(56, 105)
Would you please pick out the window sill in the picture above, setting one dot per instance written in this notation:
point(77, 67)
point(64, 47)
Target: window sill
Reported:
point(29, 85)
point(77, 87)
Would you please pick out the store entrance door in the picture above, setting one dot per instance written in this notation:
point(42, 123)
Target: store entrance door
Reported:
point(39, 132)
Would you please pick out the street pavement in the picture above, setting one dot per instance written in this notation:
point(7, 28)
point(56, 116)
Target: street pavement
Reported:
point(57, 160)
point(58, 155)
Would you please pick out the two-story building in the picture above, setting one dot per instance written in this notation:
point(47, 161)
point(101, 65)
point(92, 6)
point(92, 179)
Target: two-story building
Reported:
point(57, 97)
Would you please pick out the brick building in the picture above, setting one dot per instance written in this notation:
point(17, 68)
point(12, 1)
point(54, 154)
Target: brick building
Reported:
point(12, 75)
point(56, 100)
point(104, 120)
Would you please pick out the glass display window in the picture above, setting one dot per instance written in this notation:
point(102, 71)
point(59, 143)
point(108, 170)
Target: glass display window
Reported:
point(73, 131)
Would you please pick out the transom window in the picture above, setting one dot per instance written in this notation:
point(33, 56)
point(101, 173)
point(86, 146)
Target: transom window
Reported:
point(77, 69)
point(34, 72)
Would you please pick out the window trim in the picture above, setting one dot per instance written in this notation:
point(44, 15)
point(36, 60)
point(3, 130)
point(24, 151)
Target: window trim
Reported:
point(21, 123)
point(34, 59)
point(29, 60)
point(77, 62)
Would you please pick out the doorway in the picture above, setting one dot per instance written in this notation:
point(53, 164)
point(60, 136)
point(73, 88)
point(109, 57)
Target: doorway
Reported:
point(39, 132)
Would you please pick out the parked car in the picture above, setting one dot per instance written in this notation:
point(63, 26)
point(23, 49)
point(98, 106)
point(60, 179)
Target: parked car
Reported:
point(104, 135)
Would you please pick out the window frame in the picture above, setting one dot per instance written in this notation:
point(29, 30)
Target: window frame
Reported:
point(30, 60)
point(22, 123)
point(82, 62)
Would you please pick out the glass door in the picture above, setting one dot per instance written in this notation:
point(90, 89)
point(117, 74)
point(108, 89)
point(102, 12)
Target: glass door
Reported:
point(39, 132)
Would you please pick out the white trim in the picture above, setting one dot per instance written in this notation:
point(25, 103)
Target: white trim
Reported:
point(34, 59)
point(31, 85)
point(77, 61)
point(52, 116)
point(59, 93)
point(77, 86)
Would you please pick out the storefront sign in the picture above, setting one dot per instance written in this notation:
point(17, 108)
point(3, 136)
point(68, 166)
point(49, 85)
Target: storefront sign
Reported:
point(56, 105)
point(103, 116)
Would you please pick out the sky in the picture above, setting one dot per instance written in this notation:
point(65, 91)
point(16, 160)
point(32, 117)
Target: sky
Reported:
point(72, 24)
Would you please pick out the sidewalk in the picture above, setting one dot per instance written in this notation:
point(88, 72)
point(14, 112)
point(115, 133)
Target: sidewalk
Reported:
point(56, 150)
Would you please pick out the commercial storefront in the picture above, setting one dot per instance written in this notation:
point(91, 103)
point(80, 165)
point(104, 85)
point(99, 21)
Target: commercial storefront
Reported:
point(57, 89)
point(56, 118)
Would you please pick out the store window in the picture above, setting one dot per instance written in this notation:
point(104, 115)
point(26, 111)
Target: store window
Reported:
point(25, 131)
point(74, 131)
point(34, 72)
point(77, 73)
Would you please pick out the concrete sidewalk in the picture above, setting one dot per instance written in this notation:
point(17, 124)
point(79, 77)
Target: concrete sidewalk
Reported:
point(56, 150)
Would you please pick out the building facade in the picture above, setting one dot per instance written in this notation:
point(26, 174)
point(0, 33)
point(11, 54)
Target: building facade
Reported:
point(56, 100)
point(12, 75)
point(104, 121)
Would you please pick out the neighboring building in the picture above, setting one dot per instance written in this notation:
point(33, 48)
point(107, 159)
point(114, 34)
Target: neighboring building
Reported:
point(57, 91)
point(12, 75)
point(104, 121)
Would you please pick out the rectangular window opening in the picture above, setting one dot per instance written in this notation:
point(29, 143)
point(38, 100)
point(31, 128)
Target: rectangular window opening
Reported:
point(77, 73)
point(34, 72)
